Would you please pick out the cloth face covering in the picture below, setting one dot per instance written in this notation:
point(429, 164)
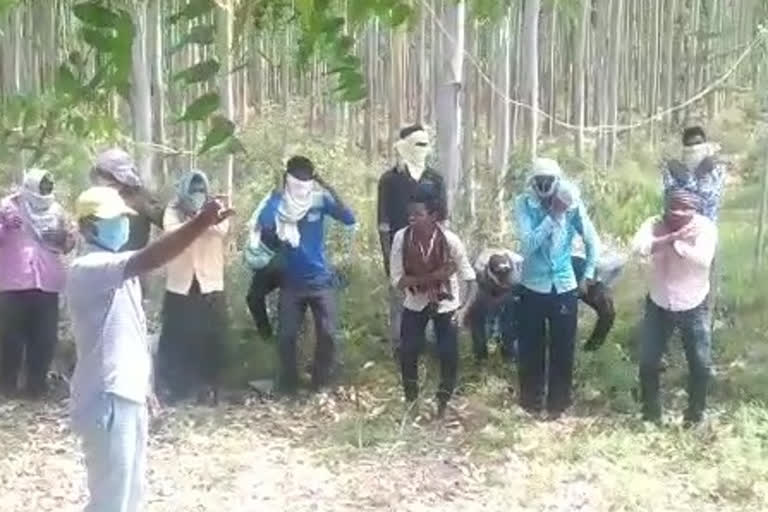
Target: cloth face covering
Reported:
point(41, 211)
point(298, 196)
point(694, 155)
point(112, 233)
point(187, 201)
point(545, 171)
point(412, 153)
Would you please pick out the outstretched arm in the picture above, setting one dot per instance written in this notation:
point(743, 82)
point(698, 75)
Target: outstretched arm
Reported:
point(170, 245)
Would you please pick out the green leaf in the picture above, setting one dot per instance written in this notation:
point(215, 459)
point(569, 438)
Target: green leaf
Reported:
point(192, 10)
point(199, 34)
point(202, 107)
point(94, 13)
point(199, 72)
point(221, 129)
point(234, 145)
point(66, 83)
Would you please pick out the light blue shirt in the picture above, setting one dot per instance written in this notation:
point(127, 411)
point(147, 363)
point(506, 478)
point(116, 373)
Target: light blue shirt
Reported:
point(546, 245)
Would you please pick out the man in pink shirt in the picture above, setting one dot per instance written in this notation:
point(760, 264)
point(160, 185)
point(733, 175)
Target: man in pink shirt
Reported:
point(34, 234)
point(681, 245)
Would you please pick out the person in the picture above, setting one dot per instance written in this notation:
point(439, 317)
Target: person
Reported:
point(296, 214)
point(115, 168)
point(547, 225)
point(396, 186)
point(193, 337)
point(426, 263)
point(698, 171)
point(111, 383)
point(261, 255)
point(681, 245)
point(497, 300)
point(35, 233)
point(598, 295)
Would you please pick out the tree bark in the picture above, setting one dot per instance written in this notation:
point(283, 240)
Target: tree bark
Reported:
point(531, 68)
point(141, 99)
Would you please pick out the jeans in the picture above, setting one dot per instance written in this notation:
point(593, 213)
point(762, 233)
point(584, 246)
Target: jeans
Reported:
point(396, 298)
point(413, 338)
point(560, 313)
point(292, 307)
point(487, 310)
point(264, 281)
point(600, 299)
point(29, 320)
point(114, 439)
point(697, 341)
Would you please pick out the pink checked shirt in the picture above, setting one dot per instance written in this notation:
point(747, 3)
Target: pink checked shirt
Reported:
point(679, 272)
point(25, 264)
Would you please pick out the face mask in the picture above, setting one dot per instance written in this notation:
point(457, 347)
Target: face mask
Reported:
point(197, 200)
point(545, 186)
point(112, 233)
point(412, 152)
point(694, 155)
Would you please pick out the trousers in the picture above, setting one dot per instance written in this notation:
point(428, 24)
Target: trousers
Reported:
point(114, 436)
point(292, 308)
point(548, 329)
point(29, 321)
point(413, 338)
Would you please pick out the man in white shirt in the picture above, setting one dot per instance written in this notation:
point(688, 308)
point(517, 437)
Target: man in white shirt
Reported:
point(111, 383)
point(681, 245)
point(426, 262)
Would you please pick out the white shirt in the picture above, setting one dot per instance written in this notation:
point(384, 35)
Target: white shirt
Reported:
point(203, 259)
point(678, 278)
point(113, 353)
point(418, 301)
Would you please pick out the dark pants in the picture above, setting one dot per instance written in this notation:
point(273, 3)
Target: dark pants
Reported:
point(489, 310)
point(412, 340)
point(29, 320)
point(292, 308)
point(264, 281)
point(193, 342)
point(697, 341)
point(600, 299)
point(557, 314)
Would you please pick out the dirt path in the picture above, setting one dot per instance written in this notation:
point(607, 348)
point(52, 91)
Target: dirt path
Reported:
point(261, 458)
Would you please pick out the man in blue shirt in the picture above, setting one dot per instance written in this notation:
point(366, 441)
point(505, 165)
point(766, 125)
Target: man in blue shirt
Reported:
point(549, 215)
point(697, 171)
point(296, 213)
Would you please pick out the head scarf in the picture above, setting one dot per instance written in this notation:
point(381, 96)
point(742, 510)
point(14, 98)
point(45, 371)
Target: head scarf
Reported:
point(412, 151)
point(41, 212)
point(682, 197)
point(545, 167)
point(298, 197)
point(185, 200)
point(117, 164)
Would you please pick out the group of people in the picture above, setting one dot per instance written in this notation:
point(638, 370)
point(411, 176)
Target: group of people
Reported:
point(530, 297)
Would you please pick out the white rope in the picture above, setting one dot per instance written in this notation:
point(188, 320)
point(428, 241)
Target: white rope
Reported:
point(602, 127)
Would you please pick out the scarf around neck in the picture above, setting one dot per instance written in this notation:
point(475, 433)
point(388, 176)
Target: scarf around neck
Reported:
point(411, 153)
point(41, 212)
point(424, 256)
point(298, 197)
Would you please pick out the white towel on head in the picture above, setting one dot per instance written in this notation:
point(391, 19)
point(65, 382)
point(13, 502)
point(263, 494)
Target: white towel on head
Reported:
point(298, 197)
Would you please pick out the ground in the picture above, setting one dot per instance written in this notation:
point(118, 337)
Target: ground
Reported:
point(353, 450)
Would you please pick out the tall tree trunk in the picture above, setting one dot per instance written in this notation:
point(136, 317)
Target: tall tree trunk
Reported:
point(141, 98)
point(501, 139)
point(531, 67)
point(469, 108)
point(579, 72)
point(224, 29)
point(449, 107)
point(614, 76)
point(158, 87)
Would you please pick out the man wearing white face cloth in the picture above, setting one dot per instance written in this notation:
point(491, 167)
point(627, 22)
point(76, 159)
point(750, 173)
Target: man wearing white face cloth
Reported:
point(396, 187)
point(34, 234)
point(698, 171)
point(296, 214)
point(193, 339)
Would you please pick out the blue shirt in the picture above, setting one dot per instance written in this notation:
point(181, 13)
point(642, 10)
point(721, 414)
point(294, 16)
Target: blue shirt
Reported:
point(707, 183)
point(305, 266)
point(546, 245)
